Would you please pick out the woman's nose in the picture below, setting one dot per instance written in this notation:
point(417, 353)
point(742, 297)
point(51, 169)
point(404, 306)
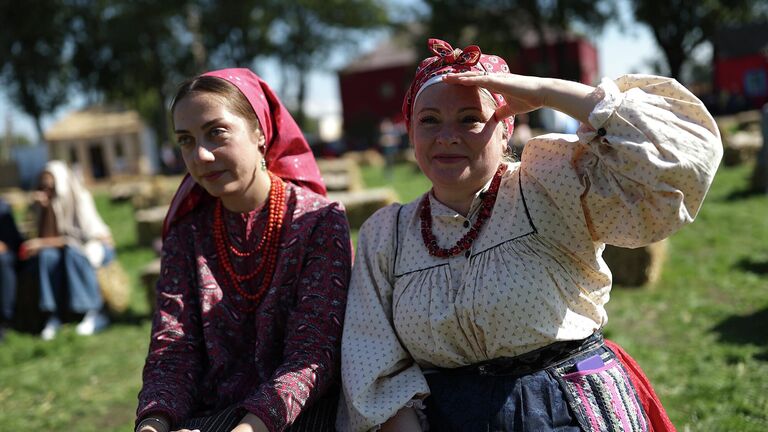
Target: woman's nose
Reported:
point(203, 154)
point(447, 135)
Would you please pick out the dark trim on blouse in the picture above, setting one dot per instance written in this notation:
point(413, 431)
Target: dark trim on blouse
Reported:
point(397, 248)
point(522, 195)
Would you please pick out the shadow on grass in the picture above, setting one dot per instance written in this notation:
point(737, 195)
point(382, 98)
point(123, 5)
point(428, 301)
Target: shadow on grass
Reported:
point(742, 194)
point(130, 317)
point(753, 266)
point(745, 330)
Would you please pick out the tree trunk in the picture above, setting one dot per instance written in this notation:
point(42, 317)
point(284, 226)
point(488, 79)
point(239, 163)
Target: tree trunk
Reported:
point(39, 128)
point(301, 95)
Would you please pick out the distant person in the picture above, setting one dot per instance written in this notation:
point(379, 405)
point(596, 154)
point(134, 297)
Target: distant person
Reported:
point(389, 142)
point(72, 242)
point(480, 305)
point(10, 241)
point(256, 261)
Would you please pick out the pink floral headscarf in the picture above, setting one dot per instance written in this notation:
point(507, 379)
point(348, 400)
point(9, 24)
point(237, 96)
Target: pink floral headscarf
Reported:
point(449, 60)
point(287, 154)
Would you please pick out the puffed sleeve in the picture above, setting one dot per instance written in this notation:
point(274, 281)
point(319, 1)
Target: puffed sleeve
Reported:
point(636, 173)
point(379, 377)
point(174, 364)
point(312, 342)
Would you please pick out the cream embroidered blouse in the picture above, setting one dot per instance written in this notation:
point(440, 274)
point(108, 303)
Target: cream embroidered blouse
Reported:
point(634, 175)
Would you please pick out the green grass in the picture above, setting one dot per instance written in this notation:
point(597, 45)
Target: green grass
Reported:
point(701, 333)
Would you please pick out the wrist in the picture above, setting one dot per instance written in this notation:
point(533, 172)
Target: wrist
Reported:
point(153, 424)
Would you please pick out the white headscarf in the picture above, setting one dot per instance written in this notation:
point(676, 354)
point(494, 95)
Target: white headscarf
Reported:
point(76, 215)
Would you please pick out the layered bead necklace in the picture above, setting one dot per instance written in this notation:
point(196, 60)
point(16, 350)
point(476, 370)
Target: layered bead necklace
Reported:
point(464, 243)
point(268, 244)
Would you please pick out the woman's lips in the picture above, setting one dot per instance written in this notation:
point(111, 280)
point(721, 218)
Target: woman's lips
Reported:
point(449, 157)
point(211, 176)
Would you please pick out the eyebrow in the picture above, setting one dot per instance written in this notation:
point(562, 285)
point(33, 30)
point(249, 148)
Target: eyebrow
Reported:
point(205, 126)
point(469, 108)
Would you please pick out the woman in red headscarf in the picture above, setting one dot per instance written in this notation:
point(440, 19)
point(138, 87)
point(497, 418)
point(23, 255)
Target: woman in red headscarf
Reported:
point(254, 274)
point(480, 305)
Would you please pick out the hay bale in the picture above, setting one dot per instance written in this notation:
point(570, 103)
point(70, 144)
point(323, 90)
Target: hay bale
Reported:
point(341, 174)
point(158, 192)
point(741, 147)
point(361, 205)
point(115, 287)
point(124, 191)
point(636, 267)
point(150, 274)
point(149, 224)
point(369, 157)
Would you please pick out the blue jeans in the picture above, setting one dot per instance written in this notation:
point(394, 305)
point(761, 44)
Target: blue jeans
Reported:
point(67, 279)
point(7, 286)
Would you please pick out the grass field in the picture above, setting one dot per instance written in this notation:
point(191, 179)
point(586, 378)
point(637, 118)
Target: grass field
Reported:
point(701, 333)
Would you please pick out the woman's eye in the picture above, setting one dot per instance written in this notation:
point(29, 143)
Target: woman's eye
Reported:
point(184, 140)
point(471, 119)
point(217, 132)
point(428, 120)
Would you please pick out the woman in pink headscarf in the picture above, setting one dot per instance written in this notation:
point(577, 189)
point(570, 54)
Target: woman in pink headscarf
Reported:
point(254, 275)
point(480, 305)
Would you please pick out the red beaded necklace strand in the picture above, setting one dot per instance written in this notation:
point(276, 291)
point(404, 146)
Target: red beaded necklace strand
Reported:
point(464, 243)
point(269, 243)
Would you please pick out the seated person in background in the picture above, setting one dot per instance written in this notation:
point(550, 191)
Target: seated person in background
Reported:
point(10, 240)
point(72, 242)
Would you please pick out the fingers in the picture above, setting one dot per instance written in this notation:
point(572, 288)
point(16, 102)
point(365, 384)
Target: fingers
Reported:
point(471, 78)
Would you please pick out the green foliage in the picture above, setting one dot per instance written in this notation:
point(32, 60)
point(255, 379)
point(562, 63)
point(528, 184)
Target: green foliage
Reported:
point(680, 26)
point(34, 66)
point(698, 333)
point(500, 27)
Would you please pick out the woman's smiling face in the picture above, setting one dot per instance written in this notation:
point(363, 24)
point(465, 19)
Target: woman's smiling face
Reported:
point(220, 148)
point(457, 140)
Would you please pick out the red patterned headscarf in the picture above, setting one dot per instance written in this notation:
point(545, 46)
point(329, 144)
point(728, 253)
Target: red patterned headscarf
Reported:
point(287, 154)
point(449, 60)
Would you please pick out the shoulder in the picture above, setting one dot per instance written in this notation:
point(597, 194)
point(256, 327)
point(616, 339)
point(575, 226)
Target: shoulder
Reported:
point(381, 228)
point(198, 219)
point(308, 204)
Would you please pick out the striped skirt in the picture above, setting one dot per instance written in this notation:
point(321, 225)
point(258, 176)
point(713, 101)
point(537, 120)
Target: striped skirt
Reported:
point(319, 417)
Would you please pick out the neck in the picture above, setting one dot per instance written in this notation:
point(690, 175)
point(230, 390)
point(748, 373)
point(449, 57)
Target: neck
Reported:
point(254, 196)
point(455, 199)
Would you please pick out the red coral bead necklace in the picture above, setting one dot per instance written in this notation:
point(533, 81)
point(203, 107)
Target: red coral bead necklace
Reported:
point(268, 244)
point(464, 243)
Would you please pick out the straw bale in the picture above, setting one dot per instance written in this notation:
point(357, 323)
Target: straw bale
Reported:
point(636, 267)
point(115, 287)
point(361, 205)
point(149, 224)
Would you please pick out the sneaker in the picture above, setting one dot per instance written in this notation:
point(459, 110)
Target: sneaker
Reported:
point(93, 322)
point(51, 328)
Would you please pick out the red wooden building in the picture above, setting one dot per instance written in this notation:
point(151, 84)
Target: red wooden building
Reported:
point(373, 86)
point(740, 77)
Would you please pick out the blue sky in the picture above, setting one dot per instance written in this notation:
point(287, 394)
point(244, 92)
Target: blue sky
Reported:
point(630, 50)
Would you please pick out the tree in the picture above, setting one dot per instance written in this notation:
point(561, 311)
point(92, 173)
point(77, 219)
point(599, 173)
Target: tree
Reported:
point(308, 31)
point(680, 26)
point(34, 56)
point(134, 53)
point(500, 26)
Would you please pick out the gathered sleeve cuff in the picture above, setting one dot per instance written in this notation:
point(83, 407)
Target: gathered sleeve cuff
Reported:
point(379, 376)
point(640, 168)
point(173, 365)
point(313, 337)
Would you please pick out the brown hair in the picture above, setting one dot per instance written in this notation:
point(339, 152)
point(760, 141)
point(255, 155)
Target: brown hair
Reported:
point(231, 96)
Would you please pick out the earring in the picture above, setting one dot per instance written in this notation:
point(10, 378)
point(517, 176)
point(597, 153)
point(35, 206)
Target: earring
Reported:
point(263, 150)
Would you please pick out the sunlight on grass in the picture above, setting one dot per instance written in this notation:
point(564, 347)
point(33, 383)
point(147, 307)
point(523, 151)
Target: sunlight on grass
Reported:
point(700, 332)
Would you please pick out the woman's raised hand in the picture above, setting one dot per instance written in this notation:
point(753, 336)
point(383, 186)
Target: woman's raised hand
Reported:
point(527, 93)
point(522, 93)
